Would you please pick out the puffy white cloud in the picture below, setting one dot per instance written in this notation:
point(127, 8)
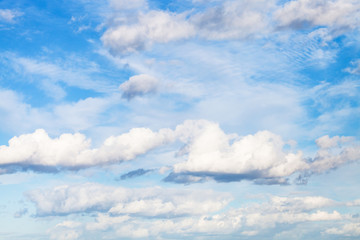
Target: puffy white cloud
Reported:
point(38, 151)
point(210, 151)
point(139, 85)
point(336, 14)
point(8, 15)
point(147, 202)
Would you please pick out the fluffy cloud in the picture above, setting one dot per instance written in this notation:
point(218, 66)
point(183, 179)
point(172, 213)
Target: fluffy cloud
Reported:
point(199, 211)
point(139, 85)
point(147, 202)
point(226, 20)
point(212, 154)
point(208, 153)
point(337, 14)
point(153, 26)
point(39, 152)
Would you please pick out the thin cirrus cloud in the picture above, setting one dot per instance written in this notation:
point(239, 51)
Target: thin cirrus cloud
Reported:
point(209, 153)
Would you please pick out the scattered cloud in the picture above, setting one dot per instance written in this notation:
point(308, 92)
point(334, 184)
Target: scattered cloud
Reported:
point(355, 69)
point(8, 15)
point(153, 26)
point(139, 85)
point(146, 202)
point(339, 15)
point(150, 212)
point(227, 20)
point(209, 153)
point(136, 173)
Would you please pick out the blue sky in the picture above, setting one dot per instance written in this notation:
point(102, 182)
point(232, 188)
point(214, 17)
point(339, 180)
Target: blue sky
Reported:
point(192, 119)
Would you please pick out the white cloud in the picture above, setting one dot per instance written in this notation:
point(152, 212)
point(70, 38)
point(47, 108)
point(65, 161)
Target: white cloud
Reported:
point(8, 15)
point(146, 202)
point(209, 153)
point(38, 150)
point(355, 69)
point(249, 220)
point(338, 15)
point(233, 20)
point(349, 230)
point(139, 85)
point(254, 156)
point(153, 26)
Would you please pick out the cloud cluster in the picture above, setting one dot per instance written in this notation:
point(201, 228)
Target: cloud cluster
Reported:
point(212, 154)
point(208, 153)
point(146, 202)
point(226, 21)
point(139, 85)
point(156, 211)
point(339, 15)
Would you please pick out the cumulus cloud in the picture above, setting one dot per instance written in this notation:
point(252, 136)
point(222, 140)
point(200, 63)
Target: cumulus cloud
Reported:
point(39, 152)
point(150, 27)
point(208, 153)
point(339, 15)
point(226, 20)
point(8, 15)
point(212, 154)
point(147, 202)
point(135, 210)
point(139, 85)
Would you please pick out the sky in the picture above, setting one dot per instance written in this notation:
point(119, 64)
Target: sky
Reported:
point(179, 119)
